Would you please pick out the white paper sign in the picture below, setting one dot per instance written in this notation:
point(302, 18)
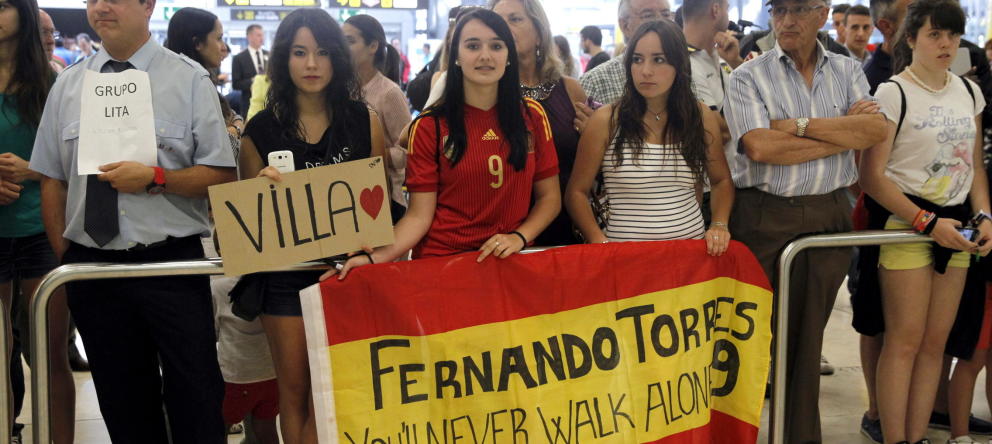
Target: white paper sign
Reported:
point(116, 121)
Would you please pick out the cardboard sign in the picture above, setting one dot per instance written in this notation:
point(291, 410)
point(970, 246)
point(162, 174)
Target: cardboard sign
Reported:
point(592, 344)
point(311, 214)
point(116, 120)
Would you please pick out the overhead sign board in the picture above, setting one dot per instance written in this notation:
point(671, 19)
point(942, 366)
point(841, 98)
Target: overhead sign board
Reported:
point(259, 14)
point(287, 3)
point(380, 4)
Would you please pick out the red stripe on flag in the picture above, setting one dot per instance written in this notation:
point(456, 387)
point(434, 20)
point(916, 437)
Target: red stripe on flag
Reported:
point(436, 295)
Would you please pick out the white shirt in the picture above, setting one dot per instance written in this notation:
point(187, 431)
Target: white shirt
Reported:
point(934, 151)
point(255, 54)
point(710, 76)
point(242, 347)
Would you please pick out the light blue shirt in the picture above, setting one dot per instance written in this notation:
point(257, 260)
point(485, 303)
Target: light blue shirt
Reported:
point(771, 88)
point(189, 130)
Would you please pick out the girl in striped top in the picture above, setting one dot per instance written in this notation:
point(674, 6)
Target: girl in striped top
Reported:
point(653, 148)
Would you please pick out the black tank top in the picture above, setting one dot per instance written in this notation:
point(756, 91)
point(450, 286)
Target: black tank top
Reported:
point(269, 136)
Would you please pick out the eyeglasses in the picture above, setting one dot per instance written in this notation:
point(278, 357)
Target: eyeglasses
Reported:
point(655, 14)
point(51, 32)
point(798, 11)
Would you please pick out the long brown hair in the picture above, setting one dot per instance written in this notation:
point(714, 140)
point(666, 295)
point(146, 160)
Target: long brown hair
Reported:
point(684, 125)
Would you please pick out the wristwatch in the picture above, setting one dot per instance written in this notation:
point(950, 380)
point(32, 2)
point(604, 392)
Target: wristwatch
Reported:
point(801, 124)
point(158, 182)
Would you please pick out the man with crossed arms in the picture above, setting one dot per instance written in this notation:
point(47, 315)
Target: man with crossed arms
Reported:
point(796, 113)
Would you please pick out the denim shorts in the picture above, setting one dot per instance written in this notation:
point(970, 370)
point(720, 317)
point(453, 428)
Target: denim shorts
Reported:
point(26, 257)
point(282, 292)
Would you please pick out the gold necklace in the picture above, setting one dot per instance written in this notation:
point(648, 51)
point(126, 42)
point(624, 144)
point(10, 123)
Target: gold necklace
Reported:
point(947, 80)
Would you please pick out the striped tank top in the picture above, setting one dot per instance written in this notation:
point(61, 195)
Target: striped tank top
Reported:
point(653, 198)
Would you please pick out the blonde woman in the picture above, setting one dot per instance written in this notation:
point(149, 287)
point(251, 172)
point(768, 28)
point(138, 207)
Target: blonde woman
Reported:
point(542, 79)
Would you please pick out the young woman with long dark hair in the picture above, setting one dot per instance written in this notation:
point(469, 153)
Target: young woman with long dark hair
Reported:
point(928, 176)
point(477, 157)
point(654, 147)
point(199, 35)
point(314, 109)
point(373, 58)
point(25, 253)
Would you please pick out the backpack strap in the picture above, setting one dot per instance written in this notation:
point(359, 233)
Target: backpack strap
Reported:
point(971, 92)
point(902, 100)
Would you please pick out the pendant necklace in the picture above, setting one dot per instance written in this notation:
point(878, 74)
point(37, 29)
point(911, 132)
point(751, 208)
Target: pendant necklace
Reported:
point(657, 116)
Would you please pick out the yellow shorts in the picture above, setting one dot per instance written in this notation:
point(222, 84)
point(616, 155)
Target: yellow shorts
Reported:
point(916, 255)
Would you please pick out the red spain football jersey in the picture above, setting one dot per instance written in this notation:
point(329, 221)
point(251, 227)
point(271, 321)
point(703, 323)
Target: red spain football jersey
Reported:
point(482, 194)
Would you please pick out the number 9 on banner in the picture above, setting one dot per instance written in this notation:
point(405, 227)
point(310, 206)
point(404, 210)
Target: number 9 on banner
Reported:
point(727, 359)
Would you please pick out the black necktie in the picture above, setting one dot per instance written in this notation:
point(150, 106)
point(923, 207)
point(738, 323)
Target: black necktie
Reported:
point(100, 219)
point(258, 59)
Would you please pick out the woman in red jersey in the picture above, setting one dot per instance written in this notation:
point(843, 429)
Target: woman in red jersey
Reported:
point(477, 158)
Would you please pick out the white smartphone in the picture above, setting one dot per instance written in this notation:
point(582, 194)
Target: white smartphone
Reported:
point(282, 161)
point(962, 62)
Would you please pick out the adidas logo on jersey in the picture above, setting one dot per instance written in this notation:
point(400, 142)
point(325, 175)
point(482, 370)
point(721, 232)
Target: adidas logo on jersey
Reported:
point(490, 135)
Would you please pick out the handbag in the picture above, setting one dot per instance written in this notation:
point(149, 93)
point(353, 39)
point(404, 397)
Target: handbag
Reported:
point(248, 295)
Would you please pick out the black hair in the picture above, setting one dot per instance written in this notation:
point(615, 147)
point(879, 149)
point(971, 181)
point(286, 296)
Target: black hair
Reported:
point(857, 10)
point(189, 27)
point(684, 126)
point(387, 58)
point(943, 15)
point(253, 27)
point(339, 94)
point(840, 8)
point(510, 106)
point(593, 34)
point(32, 75)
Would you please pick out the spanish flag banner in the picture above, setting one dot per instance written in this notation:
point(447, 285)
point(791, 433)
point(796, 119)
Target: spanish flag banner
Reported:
point(608, 343)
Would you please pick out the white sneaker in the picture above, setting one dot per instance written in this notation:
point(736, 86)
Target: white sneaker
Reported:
point(965, 439)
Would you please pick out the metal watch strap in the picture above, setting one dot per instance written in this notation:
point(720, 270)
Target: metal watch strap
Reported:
point(801, 124)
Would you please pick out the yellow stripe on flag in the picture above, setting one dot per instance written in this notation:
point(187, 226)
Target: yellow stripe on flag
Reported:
point(561, 374)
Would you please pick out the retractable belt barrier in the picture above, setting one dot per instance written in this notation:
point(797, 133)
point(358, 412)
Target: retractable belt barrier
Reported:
point(40, 375)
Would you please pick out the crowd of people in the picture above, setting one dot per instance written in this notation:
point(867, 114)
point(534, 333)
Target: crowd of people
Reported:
point(688, 133)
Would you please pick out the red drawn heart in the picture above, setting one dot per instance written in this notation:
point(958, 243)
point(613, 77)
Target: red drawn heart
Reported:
point(372, 200)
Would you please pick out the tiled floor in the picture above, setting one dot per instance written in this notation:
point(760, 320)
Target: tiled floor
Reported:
point(842, 399)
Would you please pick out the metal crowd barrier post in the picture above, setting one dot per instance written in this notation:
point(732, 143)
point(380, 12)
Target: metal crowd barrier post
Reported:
point(789, 254)
point(6, 401)
point(41, 372)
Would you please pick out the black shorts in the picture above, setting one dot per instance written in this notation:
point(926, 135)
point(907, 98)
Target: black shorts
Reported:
point(282, 292)
point(26, 257)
